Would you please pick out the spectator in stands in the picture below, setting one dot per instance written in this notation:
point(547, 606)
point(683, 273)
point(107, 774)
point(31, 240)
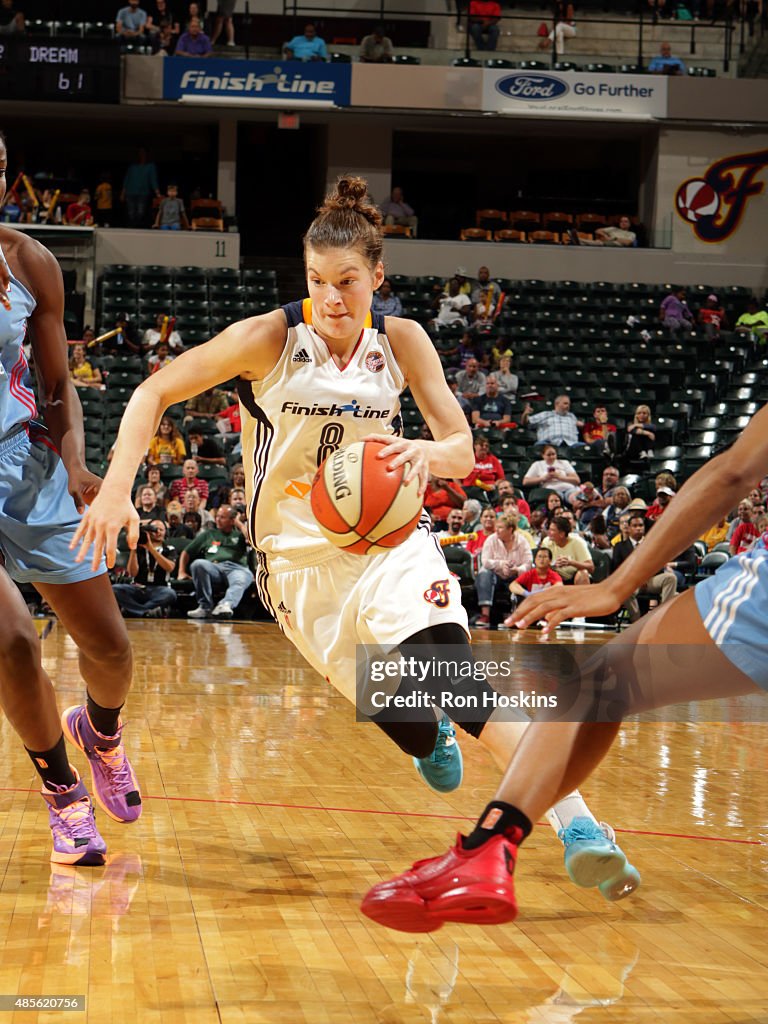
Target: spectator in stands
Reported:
point(470, 380)
point(712, 318)
point(665, 63)
point(11, 19)
point(570, 554)
point(484, 530)
point(385, 301)
point(618, 502)
point(205, 449)
point(486, 298)
point(307, 47)
point(149, 566)
point(555, 426)
point(79, 213)
point(193, 521)
point(167, 446)
point(81, 371)
point(154, 480)
point(454, 527)
point(152, 335)
point(754, 321)
point(745, 530)
point(609, 482)
point(487, 470)
point(553, 474)
point(160, 357)
point(491, 409)
point(600, 435)
point(716, 534)
point(193, 503)
point(131, 23)
point(655, 511)
point(484, 18)
point(139, 186)
point(541, 577)
point(223, 20)
point(565, 28)
point(440, 497)
point(504, 556)
point(744, 514)
point(206, 406)
point(663, 585)
point(148, 506)
point(190, 481)
point(471, 347)
point(218, 559)
point(164, 40)
point(508, 382)
point(194, 42)
point(504, 489)
point(614, 235)
point(470, 513)
point(641, 437)
point(596, 534)
point(376, 48)
point(158, 12)
point(103, 196)
point(171, 215)
point(675, 315)
point(396, 211)
point(228, 421)
point(221, 494)
point(586, 502)
point(176, 528)
point(124, 339)
point(553, 506)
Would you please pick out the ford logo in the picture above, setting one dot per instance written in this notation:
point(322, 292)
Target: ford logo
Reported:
point(532, 85)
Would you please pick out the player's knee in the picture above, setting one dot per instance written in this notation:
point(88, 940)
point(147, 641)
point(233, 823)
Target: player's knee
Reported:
point(417, 739)
point(19, 651)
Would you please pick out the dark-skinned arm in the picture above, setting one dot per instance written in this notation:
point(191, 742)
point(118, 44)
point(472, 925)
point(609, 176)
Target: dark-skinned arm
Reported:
point(59, 404)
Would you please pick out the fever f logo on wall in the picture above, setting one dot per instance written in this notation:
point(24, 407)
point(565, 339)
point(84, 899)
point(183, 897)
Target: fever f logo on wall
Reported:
point(714, 205)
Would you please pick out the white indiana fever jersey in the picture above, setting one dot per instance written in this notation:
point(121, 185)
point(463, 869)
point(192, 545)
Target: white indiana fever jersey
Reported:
point(306, 408)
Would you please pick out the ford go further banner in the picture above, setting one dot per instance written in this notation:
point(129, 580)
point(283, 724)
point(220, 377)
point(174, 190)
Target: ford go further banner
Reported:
point(258, 79)
point(573, 94)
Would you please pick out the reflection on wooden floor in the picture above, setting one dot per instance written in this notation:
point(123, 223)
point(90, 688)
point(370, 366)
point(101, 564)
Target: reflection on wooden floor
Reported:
point(270, 813)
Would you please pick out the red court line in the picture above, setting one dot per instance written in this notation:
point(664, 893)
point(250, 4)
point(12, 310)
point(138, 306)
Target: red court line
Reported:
point(402, 814)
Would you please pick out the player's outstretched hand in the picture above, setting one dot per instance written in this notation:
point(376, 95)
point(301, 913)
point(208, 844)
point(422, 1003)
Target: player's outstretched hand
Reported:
point(101, 524)
point(84, 486)
point(399, 450)
point(560, 603)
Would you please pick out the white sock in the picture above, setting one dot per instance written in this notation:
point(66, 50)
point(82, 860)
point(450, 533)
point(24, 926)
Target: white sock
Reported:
point(570, 807)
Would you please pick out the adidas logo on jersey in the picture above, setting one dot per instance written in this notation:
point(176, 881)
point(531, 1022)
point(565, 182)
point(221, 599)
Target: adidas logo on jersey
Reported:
point(302, 356)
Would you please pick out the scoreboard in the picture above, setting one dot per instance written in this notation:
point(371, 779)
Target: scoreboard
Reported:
point(60, 69)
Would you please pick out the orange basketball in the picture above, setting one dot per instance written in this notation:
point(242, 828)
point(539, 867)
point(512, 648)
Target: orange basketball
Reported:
point(359, 505)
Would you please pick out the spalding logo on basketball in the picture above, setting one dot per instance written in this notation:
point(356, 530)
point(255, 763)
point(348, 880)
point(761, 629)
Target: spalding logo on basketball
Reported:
point(696, 199)
point(359, 505)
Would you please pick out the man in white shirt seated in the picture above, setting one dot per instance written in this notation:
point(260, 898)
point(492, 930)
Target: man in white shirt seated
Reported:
point(506, 553)
point(153, 335)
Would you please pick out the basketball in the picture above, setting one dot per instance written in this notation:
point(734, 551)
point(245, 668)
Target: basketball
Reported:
point(696, 199)
point(359, 505)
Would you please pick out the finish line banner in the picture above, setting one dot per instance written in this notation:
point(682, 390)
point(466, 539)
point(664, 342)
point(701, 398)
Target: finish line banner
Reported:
point(283, 81)
point(575, 94)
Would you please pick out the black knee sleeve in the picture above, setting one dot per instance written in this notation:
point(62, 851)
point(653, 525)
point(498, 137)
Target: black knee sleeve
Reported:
point(428, 646)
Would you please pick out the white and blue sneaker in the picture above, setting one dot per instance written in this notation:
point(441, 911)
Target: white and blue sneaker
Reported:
point(593, 858)
point(443, 770)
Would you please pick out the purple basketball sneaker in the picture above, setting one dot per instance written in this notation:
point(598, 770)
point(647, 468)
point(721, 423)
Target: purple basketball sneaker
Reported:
point(76, 839)
point(115, 788)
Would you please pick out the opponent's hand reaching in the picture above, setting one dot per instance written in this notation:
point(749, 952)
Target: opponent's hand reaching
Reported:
point(84, 486)
point(399, 450)
point(557, 604)
point(101, 524)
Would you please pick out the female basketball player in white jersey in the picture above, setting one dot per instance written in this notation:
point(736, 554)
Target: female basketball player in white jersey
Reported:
point(44, 485)
point(709, 642)
point(316, 375)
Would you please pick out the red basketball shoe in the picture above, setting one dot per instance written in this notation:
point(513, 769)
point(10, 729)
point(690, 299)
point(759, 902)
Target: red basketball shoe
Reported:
point(465, 886)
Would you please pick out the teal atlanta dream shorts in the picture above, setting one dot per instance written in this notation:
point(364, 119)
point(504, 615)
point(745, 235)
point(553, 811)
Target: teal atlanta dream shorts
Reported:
point(38, 517)
point(733, 605)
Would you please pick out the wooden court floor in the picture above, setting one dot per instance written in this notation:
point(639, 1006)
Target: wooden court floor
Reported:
point(268, 813)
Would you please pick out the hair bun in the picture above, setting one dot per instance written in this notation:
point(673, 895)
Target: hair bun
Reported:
point(351, 193)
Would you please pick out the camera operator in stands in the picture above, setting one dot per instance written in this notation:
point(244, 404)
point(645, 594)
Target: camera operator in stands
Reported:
point(149, 565)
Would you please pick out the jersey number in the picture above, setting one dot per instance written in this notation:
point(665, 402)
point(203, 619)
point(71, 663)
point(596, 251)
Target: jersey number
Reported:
point(330, 441)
